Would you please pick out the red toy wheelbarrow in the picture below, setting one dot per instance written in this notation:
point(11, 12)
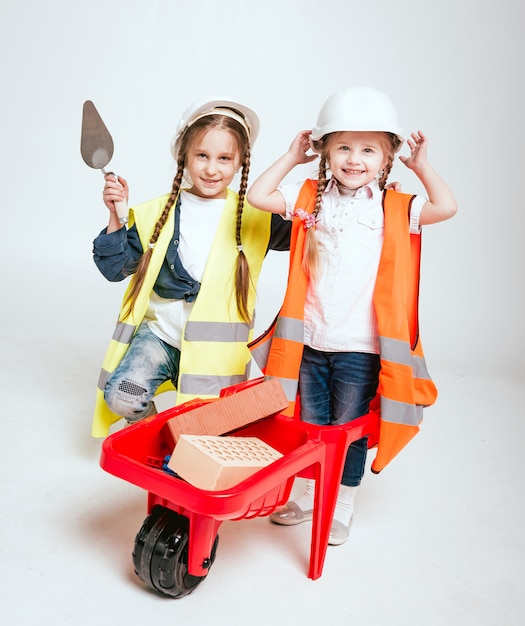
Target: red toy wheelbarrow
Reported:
point(177, 543)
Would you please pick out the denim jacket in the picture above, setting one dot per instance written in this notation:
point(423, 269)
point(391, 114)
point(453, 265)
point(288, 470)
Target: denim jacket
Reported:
point(117, 255)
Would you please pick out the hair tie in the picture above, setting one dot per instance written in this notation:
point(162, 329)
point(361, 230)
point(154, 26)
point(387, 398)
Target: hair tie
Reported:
point(240, 248)
point(309, 220)
point(151, 245)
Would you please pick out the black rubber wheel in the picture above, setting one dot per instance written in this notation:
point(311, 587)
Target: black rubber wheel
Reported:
point(160, 555)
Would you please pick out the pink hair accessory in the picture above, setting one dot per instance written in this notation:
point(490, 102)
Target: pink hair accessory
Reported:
point(309, 219)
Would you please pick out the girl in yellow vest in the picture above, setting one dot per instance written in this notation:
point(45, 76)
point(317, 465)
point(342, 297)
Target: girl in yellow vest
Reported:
point(194, 255)
point(348, 324)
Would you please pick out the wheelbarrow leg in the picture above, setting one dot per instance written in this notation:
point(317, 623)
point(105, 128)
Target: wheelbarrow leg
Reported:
point(328, 478)
point(202, 543)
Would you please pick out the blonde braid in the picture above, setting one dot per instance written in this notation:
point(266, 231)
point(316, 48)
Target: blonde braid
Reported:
point(386, 171)
point(242, 273)
point(311, 250)
point(142, 268)
point(321, 185)
point(391, 145)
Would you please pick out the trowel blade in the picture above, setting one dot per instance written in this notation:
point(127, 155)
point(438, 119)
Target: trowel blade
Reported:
point(96, 144)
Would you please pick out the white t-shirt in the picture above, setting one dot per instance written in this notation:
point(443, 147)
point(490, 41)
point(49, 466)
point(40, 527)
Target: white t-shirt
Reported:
point(339, 314)
point(199, 218)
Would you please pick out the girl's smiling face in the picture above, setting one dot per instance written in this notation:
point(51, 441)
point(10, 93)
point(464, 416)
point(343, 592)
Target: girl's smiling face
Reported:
point(356, 157)
point(212, 160)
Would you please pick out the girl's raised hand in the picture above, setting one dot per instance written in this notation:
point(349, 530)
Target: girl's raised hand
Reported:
point(300, 146)
point(418, 151)
point(115, 190)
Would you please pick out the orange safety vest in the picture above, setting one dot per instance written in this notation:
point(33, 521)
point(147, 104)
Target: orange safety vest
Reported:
point(405, 386)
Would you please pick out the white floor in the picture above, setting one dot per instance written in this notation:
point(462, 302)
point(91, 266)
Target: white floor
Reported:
point(438, 537)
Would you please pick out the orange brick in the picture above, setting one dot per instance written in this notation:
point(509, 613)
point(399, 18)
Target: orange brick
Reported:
point(230, 412)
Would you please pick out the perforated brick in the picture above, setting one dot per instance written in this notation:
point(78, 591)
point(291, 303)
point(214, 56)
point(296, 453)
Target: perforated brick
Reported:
point(216, 463)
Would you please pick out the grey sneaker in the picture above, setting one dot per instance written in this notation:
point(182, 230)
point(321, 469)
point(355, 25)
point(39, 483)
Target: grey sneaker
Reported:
point(339, 532)
point(291, 514)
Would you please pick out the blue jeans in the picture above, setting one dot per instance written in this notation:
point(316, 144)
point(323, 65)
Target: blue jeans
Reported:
point(335, 388)
point(147, 364)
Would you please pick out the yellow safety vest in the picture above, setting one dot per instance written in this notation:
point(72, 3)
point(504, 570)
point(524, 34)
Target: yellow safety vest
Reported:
point(214, 351)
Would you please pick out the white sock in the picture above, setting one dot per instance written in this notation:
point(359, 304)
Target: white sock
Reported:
point(344, 507)
point(306, 500)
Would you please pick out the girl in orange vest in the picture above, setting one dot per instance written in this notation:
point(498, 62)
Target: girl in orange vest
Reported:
point(338, 320)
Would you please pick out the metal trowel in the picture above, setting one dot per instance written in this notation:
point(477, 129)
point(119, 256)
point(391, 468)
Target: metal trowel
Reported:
point(96, 148)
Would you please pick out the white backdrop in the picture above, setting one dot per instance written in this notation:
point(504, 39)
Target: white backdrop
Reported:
point(452, 67)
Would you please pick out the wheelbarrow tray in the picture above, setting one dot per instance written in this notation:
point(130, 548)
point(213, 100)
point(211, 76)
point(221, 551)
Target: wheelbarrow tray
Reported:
point(136, 454)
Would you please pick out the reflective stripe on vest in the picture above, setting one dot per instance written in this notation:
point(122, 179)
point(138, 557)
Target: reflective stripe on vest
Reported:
point(288, 333)
point(401, 412)
point(217, 331)
point(290, 386)
point(260, 352)
point(117, 349)
point(201, 386)
point(103, 379)
point(123, 332)
point(398, 351)
point(290, 329)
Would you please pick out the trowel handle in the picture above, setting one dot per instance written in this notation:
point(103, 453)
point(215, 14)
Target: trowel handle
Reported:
point(121, 208)
point(122, 211)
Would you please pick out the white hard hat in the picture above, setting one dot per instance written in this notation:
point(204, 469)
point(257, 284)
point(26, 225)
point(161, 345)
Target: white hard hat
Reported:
point(220, 106)
point(356, 109)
